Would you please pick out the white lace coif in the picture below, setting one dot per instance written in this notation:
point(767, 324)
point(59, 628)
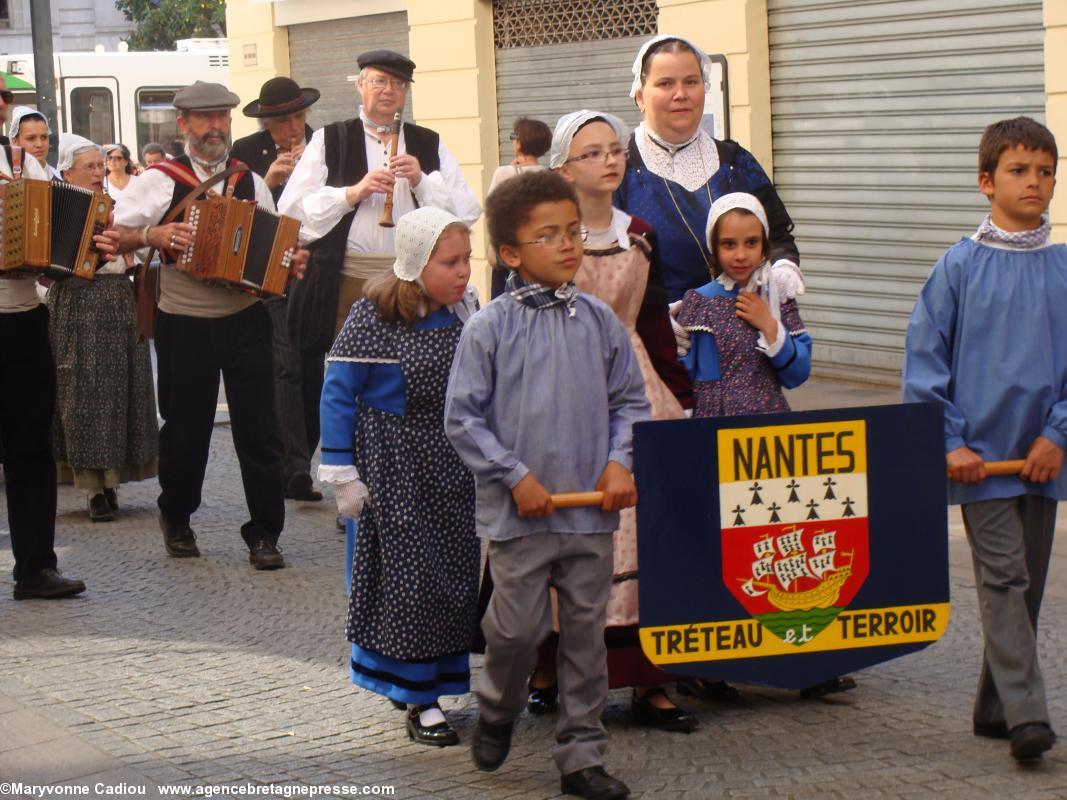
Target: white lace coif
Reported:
point(569, 124)
point(417, 233)
point(70, 145)
point(732, 202)
point(702, 57)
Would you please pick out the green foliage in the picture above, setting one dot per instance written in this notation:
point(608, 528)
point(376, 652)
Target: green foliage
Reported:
point(160, 22)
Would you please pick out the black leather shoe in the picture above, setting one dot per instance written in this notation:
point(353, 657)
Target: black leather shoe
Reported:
point(48, 584)
point(398, 705)
point(593, 783)
point(439, 735)
point(648, 714)
point(99, 508)
point(301, 487)
point(179, 539)
point(991, 730)
point(264, 555)
point(112, 497)
point(832, 686)
point(1030, 740)
point(542, 700)
point(707, 690)
point(490, 744)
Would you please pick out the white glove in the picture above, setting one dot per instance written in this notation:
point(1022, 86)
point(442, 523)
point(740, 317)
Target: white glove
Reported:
point(789, 279)
point(351, 497)
point(681, 335)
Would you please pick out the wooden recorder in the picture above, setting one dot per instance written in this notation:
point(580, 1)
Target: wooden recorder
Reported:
point(240, 244)
point(49, 227)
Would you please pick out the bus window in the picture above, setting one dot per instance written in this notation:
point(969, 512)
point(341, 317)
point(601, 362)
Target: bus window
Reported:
point(92, 114)
point(156, 118)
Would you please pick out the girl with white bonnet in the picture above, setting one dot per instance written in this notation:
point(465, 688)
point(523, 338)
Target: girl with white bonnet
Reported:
point(676, 170)
point(620, 267)
point(106, 432)
point(28, 129)
point(414, 565)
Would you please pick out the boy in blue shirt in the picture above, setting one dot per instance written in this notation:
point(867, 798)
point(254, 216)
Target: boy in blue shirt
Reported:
point(988, 341)
point(543, 393)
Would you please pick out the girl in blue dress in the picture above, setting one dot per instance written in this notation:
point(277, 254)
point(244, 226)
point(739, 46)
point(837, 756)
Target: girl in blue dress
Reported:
point(414, 564)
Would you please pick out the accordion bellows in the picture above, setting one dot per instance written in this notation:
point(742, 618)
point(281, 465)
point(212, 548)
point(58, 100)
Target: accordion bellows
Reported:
point(49, 227)
point(240, 244)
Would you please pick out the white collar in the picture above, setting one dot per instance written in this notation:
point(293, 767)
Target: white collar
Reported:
point(370, 125)
point(663, 144)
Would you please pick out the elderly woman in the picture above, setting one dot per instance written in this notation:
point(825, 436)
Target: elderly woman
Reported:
point(676, 170)
point(106, 430)
point(29, 130)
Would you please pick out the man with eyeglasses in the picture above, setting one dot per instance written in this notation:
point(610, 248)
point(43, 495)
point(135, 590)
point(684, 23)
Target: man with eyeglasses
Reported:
point(338, 191)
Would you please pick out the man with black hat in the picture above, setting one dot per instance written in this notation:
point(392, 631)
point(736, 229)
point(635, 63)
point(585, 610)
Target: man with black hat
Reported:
point(272, 153)
point(204, 330)
point(338, 191)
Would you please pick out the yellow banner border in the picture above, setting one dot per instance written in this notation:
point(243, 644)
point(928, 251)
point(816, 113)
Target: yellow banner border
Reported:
point(851, 629)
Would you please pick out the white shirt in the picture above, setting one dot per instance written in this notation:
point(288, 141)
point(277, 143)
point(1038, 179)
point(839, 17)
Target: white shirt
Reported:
point(145, 201)
point(20, 294)
point(320, 207)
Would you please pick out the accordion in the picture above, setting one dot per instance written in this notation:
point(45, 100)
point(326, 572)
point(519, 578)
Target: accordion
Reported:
point(237, 243)
point(49, 227)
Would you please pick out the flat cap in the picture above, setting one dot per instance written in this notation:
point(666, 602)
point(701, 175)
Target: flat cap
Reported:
point(388, 61)
point(203, 96)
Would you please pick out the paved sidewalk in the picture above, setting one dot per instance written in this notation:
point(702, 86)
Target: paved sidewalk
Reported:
point(203, 672)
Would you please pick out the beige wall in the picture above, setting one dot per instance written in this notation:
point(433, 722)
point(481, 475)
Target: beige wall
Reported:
point(454, 93)
point(738, 29)
point(1056, 101)
point(259, 50)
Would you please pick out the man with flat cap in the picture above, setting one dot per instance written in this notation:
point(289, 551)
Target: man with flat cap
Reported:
point(204, 330)
point(339, 188)
point(272, 153)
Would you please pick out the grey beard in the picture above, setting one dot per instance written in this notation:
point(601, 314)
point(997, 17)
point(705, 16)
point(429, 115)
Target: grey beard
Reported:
point(205, 150)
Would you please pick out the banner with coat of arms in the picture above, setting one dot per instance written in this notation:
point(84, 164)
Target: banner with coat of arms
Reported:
point(788, 549)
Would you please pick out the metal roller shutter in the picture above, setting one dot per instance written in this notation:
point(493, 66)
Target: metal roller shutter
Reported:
point(323, 55)
point(877, 109)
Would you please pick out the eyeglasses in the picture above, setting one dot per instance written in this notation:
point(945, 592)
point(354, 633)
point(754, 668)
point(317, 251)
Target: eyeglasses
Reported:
point(97, 166)
point(513, 136)
point(601, 155)
point(557, 239)
point(379, 83)
point(7, 95)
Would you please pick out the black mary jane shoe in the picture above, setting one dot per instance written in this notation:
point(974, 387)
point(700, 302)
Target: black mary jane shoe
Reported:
point(112, 497)
point(398, 705)
point(708, 690)
point(543, 700)
point(832, 686)
point(439, 735)
point(649, 715)
point(99, 508)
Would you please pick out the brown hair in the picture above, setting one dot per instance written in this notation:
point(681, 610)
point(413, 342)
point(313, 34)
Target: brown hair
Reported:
point(509, 205)
point(399, 300)
point(1008, 133)
point(713, 262)
point(534, 136)
point(666, 46)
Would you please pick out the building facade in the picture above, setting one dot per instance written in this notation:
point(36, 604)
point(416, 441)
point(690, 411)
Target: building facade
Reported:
point(867, 115)
point(76, 25)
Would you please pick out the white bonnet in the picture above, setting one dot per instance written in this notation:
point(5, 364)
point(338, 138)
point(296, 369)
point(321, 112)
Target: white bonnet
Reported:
point(569, 124)
point(70, 145)
point(730, 202)
point(16, 116)
point(702, 57)
point(417, 233)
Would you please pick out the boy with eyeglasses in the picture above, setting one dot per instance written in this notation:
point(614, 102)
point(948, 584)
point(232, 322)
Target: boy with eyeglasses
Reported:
point(542, 397)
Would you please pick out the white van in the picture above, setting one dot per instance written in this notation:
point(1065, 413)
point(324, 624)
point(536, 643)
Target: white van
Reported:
point(120, 96)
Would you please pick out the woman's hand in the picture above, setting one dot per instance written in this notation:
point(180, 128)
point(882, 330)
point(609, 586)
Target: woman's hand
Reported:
point(351, 497)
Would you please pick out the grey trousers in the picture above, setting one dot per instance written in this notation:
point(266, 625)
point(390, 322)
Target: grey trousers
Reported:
point(293, 391)
point(518, 619)
point(1011, 542)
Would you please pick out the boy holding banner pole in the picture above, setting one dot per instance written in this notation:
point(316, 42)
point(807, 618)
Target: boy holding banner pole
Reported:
point(988, 341)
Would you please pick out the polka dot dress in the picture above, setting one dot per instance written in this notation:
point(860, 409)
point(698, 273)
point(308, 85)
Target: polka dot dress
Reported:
point(416, 565)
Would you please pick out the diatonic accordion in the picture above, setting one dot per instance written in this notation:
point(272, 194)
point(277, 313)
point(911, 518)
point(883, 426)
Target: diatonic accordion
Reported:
point(49, 227)
point(240, 244)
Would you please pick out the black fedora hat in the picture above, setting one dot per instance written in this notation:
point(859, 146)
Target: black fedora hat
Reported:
point(280, 96)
